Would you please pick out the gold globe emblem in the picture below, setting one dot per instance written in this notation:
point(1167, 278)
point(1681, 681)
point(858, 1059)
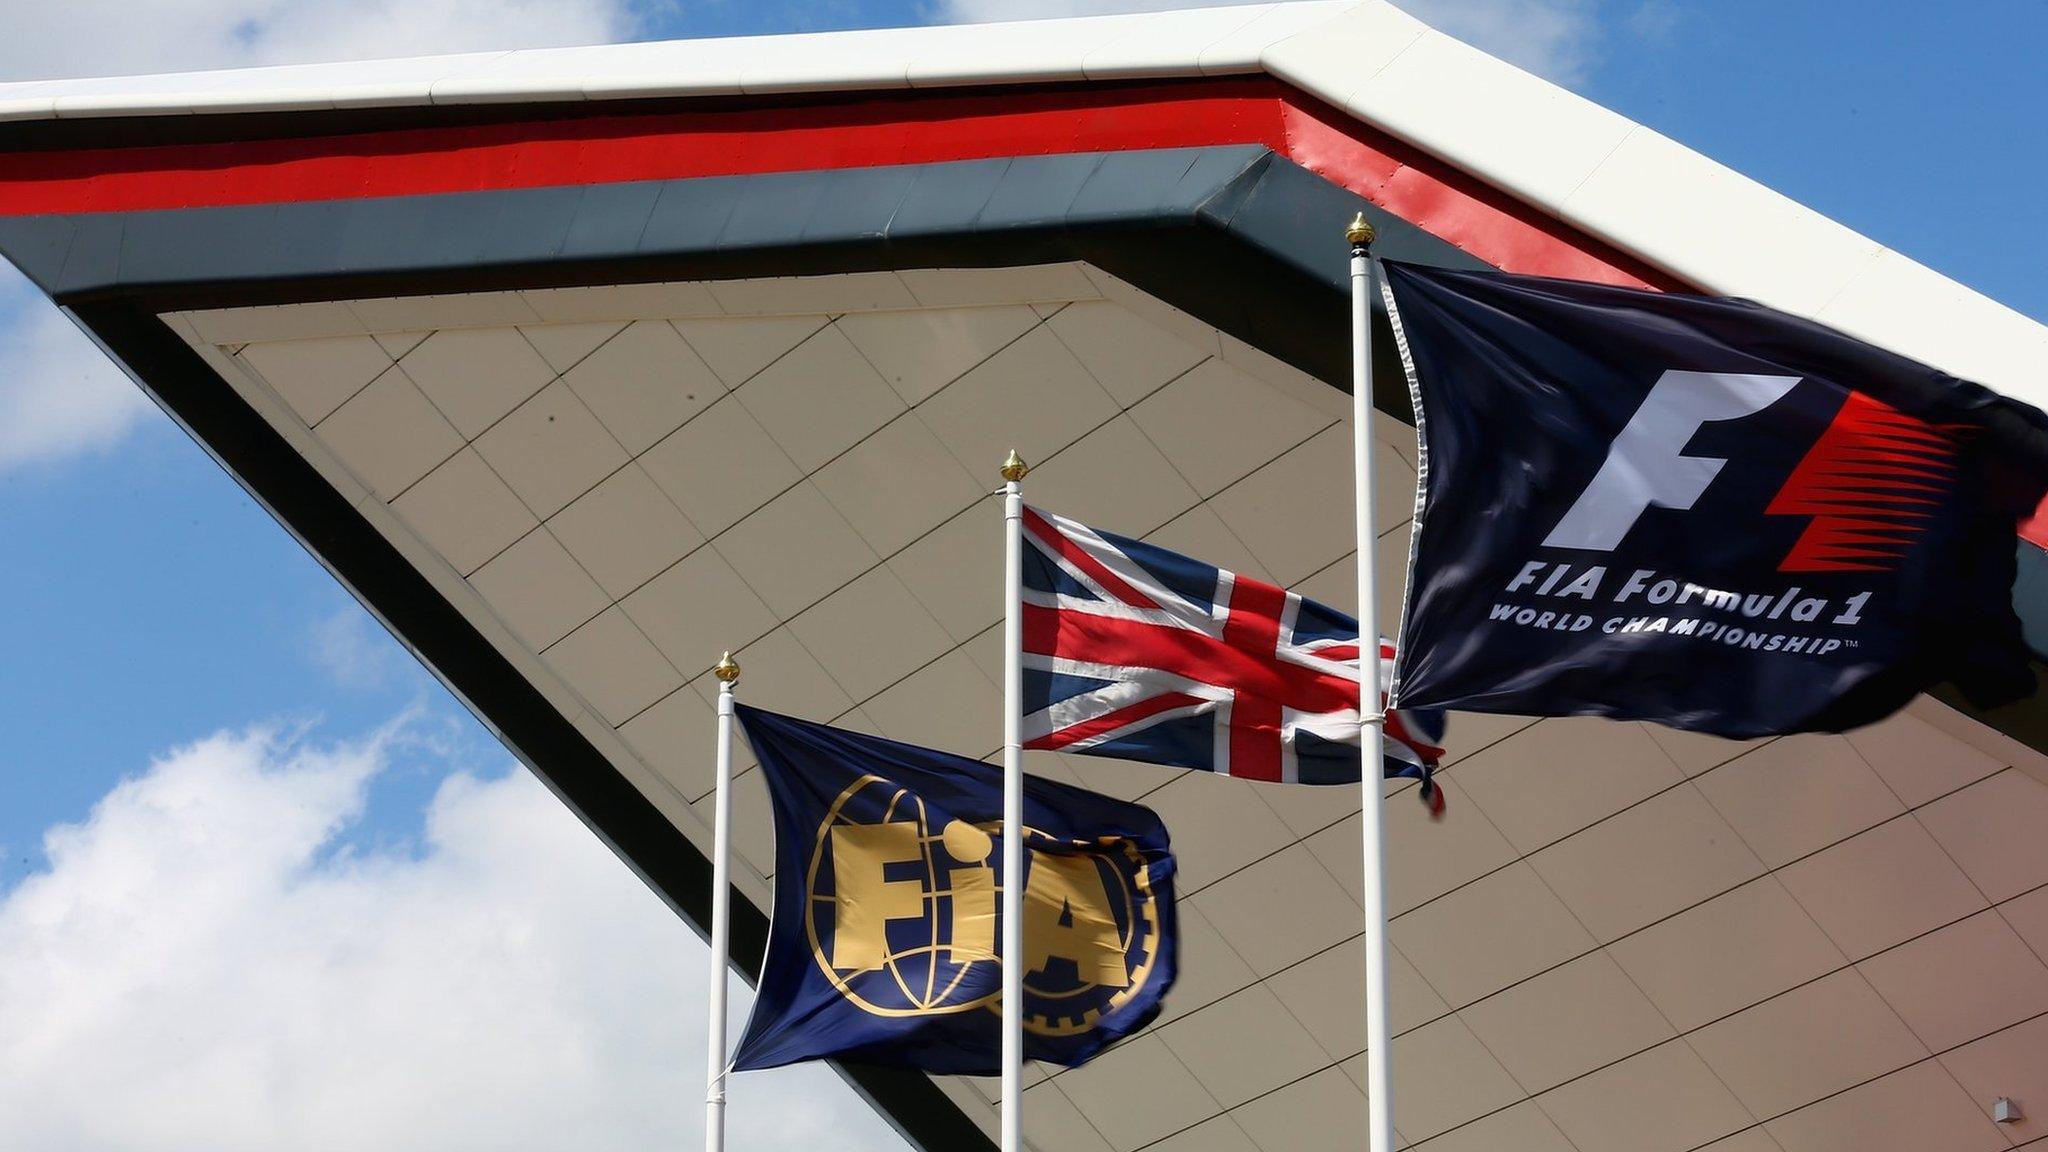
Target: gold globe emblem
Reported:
point(850, 924)
point(901, 917)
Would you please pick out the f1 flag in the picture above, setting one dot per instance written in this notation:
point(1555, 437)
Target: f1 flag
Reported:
point(1698, 511)
point(1137, 652)
point(888, 862)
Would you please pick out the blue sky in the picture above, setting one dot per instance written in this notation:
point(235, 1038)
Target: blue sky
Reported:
point(152, 604)
point(227, 621)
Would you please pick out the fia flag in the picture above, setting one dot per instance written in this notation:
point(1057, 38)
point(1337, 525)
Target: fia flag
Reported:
point(882, 946)
point(1134, 651)
point(1698, 511)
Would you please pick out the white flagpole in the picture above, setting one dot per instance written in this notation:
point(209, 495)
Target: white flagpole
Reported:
point(1014, 469)
point(728, 674)
point(1371, 716)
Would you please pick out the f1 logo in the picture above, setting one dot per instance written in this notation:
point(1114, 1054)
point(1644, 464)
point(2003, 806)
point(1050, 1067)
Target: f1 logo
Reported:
point(1646, 465)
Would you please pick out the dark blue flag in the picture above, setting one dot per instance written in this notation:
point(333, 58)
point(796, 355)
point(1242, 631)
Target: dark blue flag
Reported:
point(882, 947)
point(1698, 511)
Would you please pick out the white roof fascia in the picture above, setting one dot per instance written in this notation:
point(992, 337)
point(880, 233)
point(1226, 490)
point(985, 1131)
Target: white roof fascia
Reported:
point(1201, 41)
point(296, 87)
point(1559, 152)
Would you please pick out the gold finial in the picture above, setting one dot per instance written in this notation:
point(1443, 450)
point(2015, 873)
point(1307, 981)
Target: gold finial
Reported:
point(1014, 468)
point(1359, 232)
point(727, 670)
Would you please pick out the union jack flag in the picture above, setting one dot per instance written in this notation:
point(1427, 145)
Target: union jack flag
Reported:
point(1137, 652)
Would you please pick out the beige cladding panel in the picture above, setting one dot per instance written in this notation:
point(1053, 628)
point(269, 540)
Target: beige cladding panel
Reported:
point(1621, 939)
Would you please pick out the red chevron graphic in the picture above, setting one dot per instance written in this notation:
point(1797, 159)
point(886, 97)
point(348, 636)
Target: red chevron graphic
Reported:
point(1871, 482)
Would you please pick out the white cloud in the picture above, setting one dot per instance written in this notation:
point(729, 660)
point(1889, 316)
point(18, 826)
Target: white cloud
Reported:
point(59, 395)
point(71, 39)
point(355, 651)
point(206, 965)
point(981, 11)
point(1558, 39)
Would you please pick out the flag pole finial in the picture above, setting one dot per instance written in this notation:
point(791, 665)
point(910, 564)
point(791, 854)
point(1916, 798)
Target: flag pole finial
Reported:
point(727, 669)
point(1014, 467)
point(1359, 231)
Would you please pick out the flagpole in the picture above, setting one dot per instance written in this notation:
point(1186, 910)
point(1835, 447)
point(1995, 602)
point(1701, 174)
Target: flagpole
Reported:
point(728, 674)
point(1014, 469)
point(1371, 716)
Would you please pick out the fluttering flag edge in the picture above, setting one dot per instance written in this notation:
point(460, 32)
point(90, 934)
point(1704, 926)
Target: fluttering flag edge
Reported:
point(1421, 498)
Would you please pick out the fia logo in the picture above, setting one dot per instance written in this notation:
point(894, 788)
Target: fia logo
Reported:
point(1868, 482)
point(902, 915)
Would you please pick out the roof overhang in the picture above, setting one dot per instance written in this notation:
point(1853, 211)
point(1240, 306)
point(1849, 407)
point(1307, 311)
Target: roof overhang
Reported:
point(1365, 64)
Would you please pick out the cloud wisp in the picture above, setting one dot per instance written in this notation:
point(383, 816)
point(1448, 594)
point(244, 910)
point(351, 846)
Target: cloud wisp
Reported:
point(355, 651)
point(60, 397)
point(206, 964)
point(1560, 40)
point(57, 40)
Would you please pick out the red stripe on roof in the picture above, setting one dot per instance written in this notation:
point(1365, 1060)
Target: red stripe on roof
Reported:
point(2034, 529)
point(867, 131)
